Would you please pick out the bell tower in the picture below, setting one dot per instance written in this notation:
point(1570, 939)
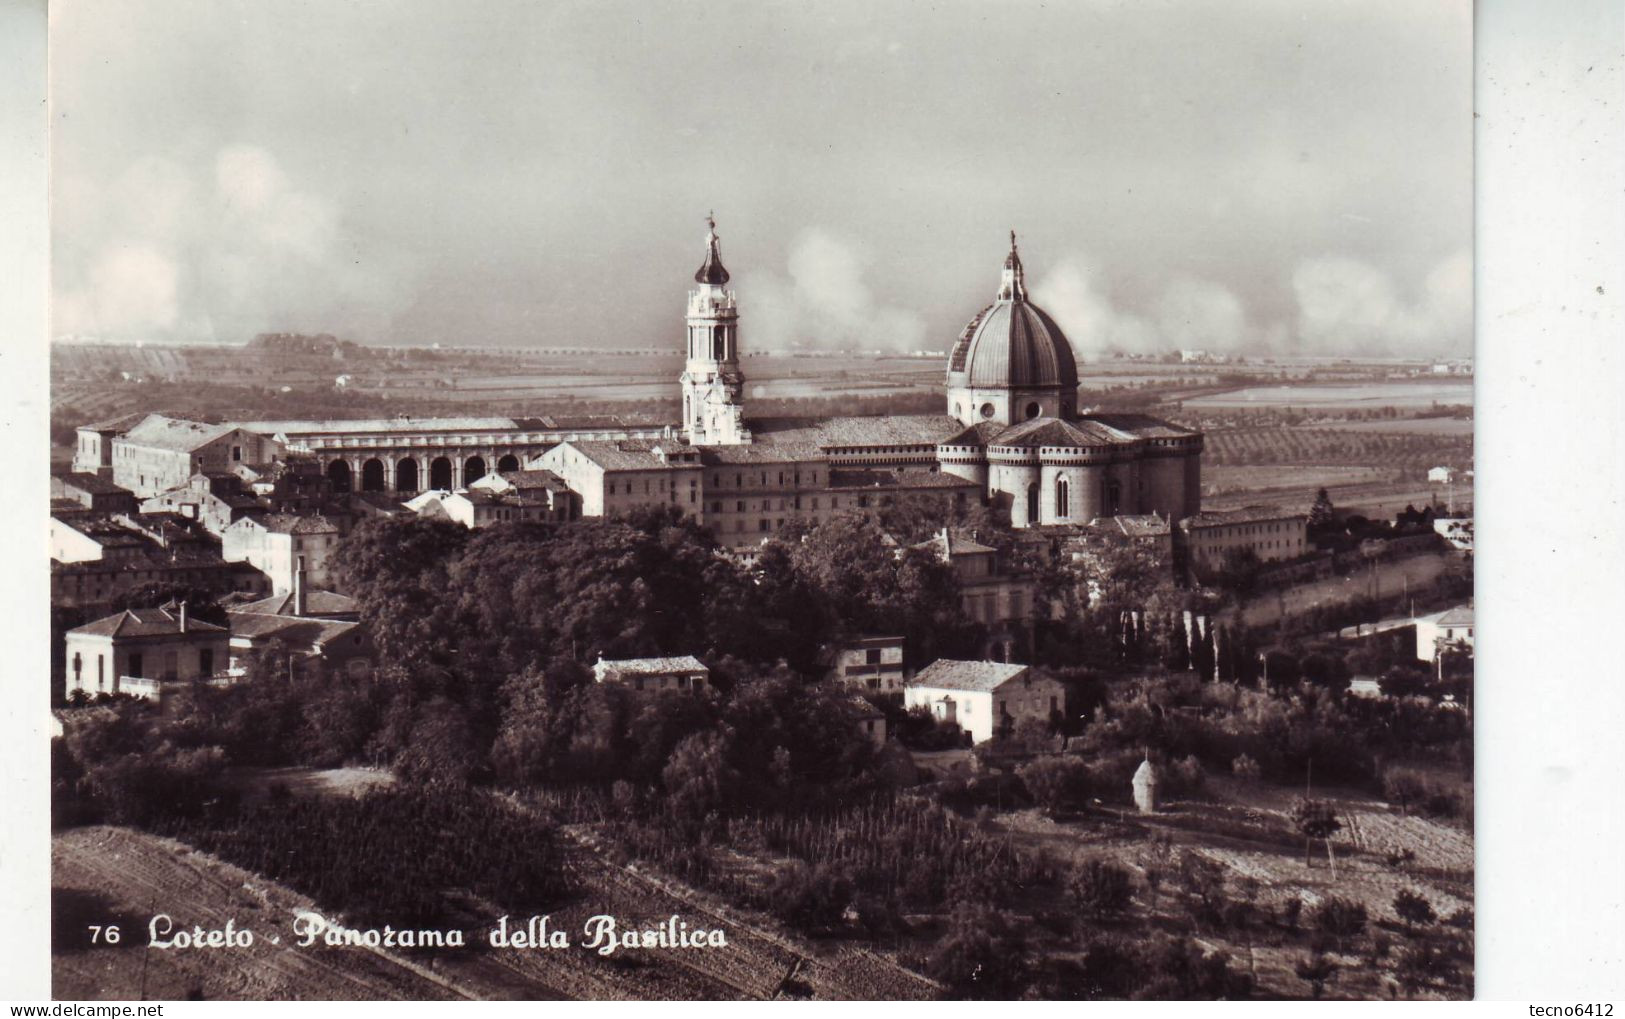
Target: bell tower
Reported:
point(713, 385)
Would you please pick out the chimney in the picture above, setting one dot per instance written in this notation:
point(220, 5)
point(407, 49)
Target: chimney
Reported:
point(299, 587)
point(183, 619)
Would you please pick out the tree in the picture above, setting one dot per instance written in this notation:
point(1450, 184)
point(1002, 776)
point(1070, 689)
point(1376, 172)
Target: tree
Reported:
point(1403, 786)
point(1101, 889)
point(1316, 970)
point(1316, 819)
point(1322, 515)
point(1340, 918)
point(1176, 654)
point(698, 779)
point(1056, 783)
point(982, 955)
point(1413, 910)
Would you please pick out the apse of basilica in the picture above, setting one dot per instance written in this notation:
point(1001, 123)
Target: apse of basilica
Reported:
point(1011, 435)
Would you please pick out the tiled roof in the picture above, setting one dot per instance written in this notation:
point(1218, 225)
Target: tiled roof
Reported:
point(630, 454)
point(317, 603)
point(1459, 616)
point(865, 709)
point(532, 479)
point(303, 631)
point(290, 523)
point(753, 453)
point(946, 674)
point(958, 543)
point(159, 622)
point(174, 433)
point(1048, 431)
point(1245, 515)
point(386, 425)
point(115, 426)
point(858, 477)
point(976, 435)
point(91, 483)
point(1143, 426)
point(652, 666)
point(105, 532)
point(848, 432)
point(1148, 526)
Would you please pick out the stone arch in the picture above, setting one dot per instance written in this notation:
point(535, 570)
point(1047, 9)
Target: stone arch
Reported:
point(372, 476)
point(508, 463)
point(406, 475)
point(473, 470)
point(338, 475)
point(1032, 504)
point(440, 473)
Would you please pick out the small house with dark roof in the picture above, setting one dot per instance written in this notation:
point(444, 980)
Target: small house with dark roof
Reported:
point(139, 651)
point(683, 673)
point(984, 698)
point(870, 720)
point(92, 492)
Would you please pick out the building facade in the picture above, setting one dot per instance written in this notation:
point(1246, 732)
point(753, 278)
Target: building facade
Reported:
point(160, 453)
point(280, 545)
point(1012, 435)
point(1271, 533)
point(137, 651)
point(984, 698)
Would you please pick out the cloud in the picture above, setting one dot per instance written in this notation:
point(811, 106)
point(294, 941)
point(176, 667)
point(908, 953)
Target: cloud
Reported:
point(169, 253)
point(1347, 306)
point(1187, 313)
point(825, 301)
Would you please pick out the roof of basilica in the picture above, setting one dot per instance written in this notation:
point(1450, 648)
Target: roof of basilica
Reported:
point(1048, 431)
point(849, 432)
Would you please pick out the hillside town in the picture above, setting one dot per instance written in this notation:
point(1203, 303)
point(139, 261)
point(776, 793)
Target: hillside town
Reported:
point(1011, 625)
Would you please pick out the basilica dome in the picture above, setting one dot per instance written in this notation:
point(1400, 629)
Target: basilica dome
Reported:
point(1013, 343)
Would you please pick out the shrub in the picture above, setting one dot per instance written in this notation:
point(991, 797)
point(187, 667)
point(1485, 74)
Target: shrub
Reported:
point(1056, 783)
point(1340, 918)
point(1101, 889)
point(1246, 769)
point(982, 954)
point(1413, 910)
point(810, 898)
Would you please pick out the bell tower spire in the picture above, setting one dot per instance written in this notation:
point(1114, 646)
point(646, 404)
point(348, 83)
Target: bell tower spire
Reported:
point(713, 386)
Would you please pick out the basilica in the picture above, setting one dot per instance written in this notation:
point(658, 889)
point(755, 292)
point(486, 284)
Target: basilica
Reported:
point(1010, 435)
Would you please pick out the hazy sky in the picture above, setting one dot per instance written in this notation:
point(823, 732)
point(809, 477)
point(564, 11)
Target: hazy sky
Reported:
point(1230, 175)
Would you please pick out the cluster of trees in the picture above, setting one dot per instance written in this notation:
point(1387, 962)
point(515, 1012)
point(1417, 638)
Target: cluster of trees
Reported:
point(1349, 739)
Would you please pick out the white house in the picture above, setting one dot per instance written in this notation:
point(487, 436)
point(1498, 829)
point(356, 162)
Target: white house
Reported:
point(1436, 633)
point(137, 651)
point(651, 675)
point(1442, 475)
point(983, 697)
